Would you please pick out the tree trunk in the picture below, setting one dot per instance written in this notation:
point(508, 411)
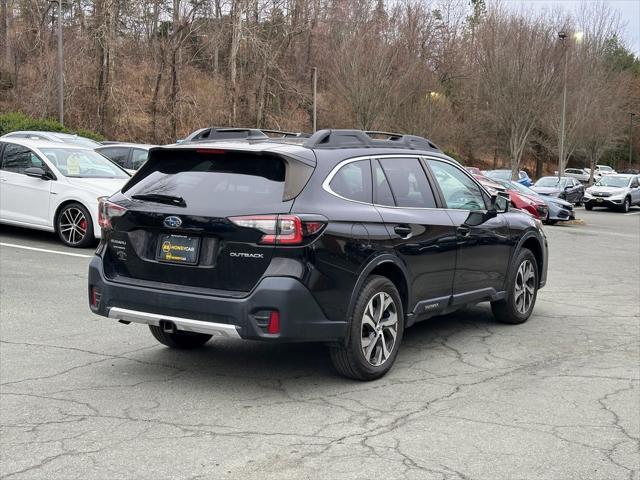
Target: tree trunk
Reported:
point(6, 26)
point(236, 26)
point(174, 94)
point(154, 98)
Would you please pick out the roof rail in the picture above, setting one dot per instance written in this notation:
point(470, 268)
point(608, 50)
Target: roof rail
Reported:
point(285, 134)
point(363, 139)
point(232, 133)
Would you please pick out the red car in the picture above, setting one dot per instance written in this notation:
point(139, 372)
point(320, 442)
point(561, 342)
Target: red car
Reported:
point(529, 204)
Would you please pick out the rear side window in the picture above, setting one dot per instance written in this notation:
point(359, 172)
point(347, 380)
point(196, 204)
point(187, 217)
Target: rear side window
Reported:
point(138, 157)
point(215, 179)
point(116, 154)
point(381, 190)
point(353, 181)
point(409, 183)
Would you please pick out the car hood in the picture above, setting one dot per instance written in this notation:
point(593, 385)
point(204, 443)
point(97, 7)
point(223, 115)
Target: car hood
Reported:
point(98, 186)
point(610, 190)
point(546, 190)
point(535, 199)
point(557, 201)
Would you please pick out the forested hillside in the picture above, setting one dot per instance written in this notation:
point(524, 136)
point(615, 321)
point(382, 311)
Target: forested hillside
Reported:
point(483, 82)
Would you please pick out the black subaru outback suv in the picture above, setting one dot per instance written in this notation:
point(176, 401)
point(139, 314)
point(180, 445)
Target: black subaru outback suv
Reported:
point(344, 238)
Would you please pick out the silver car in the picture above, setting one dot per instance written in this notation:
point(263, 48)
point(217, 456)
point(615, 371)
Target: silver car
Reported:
point(619, 192)
point(580, 174)
point(130, 156)
point(57, 137)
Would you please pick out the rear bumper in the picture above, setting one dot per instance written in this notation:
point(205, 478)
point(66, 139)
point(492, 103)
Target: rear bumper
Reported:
point(301, 318)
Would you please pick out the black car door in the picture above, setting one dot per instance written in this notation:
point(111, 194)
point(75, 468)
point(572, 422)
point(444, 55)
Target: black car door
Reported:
point(484, 247)
point(422, 235)
point(577, 190)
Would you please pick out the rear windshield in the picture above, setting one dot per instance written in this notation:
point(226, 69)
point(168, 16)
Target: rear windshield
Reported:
point(228, 178)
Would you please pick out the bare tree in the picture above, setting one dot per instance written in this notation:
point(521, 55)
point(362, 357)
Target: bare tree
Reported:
point(518, 66)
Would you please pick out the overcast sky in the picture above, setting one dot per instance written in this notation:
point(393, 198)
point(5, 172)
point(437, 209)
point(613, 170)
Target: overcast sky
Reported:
point(629, 13)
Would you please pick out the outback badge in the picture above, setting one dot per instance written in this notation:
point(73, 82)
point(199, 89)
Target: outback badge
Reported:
point(172, 222)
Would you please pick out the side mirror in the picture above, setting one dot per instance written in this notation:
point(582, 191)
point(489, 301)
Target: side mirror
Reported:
point(37, 172)
point(500, 202)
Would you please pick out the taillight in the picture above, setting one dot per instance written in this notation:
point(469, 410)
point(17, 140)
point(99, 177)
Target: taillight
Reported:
point(279, 229)
point(108, 210)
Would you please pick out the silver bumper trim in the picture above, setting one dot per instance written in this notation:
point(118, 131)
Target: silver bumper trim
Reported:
point(186, 324)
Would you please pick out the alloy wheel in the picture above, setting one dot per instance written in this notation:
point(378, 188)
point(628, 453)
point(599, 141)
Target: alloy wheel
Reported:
point(525, 287)
point(379, 329)
point(73, 225)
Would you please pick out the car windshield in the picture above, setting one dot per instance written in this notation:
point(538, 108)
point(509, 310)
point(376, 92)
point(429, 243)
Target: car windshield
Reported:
point(81, 163)
point(76, 140)
point(519, 187)
point(502, 174)
point(551, 182)
point(605, 168)
point(613, 181)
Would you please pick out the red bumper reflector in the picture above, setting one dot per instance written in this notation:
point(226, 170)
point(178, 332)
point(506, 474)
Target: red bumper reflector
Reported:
point(95, 297)
point(274, 322)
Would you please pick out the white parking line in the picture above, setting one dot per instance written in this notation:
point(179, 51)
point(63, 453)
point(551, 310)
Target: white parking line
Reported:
point(45, 250)
point(632, 213)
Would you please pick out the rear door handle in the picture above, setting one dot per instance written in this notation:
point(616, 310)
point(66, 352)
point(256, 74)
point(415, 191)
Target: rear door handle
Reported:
point(463, 231)
point(403, 230)
point(3, 179)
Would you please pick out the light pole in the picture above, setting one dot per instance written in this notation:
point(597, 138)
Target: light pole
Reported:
point(577, 36)
point(60, 64)
point(563, 36)
point(631, 115)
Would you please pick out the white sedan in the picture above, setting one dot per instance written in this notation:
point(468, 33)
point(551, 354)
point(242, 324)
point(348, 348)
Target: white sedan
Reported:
point(54, 186)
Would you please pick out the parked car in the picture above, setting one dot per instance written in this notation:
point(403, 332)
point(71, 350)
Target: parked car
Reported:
point(523, 177)
point(337, 238)
point(130, 156)
point(531, 203)
point(558, 209)
point(604, 170)
point(580, 174)
point(230, 133)
point(565, 188)
point(618, 192)
point(54, 186)
point(52, 137)
point(492, 186)
point(474, 170)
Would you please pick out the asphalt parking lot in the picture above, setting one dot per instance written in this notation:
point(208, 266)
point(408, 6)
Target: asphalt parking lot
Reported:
point(556, 398)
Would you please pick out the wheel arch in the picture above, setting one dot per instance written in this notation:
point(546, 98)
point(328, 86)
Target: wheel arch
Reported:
point(532, 243)
point(388, 266)
point(65, 203)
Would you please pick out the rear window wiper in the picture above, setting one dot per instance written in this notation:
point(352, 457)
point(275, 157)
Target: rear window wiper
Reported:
point(159, 198)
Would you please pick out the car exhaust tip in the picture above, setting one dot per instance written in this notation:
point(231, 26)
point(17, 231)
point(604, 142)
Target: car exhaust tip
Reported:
point(167, 326)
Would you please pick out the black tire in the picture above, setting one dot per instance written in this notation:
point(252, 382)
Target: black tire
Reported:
point(349, 359)
point(179, 340)
point(626, 204)
point(551, 222)
point(72, 236)
point(588, 207)
point(579, 202)
point(507, 310)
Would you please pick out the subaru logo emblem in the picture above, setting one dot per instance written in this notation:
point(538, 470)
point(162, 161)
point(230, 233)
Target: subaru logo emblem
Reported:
point(172, 222)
